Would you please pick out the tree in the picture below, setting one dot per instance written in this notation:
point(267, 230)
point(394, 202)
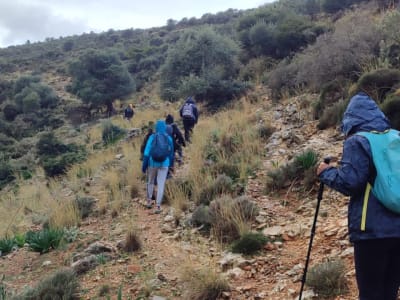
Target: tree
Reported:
point(204, 64)
point(99, 78)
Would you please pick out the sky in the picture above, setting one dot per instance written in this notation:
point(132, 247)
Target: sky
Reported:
point(36, 20)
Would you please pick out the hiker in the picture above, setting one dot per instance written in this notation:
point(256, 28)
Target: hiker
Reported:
point(177, 137)
point(128, 113)
point(189, 114)
point(156, 158)
point(146, 138)
point(374, 229)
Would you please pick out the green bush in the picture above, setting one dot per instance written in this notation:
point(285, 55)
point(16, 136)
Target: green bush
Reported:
point(332, 115)
point(379, 83)
point(297, 169)
point(112, 133)
point(249, 243)
point(201, 217)
point(85, 205)
point(62, 285)
point(328, 279)
point(54, 166)
point(221, 185)
point(99, 78)
point(6, 245)
point(229, 169)
point(10, 111)
point(391, 108)
point(44, 240)
point(6, 173)
point(330, 94)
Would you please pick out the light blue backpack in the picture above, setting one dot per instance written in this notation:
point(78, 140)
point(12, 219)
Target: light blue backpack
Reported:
point(385, 147)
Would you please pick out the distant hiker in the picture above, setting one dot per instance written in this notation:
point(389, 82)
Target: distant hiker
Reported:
point(156, 158)
point(177, 137)
point(189, 114)
point(146, 138)
point(374, 229)
point(128, 113)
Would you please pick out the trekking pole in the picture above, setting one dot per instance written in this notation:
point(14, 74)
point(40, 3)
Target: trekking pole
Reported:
point(319, 198)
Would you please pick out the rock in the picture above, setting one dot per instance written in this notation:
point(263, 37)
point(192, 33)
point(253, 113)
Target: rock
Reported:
point(83, 265)
point(273, 231)
point(98, 247)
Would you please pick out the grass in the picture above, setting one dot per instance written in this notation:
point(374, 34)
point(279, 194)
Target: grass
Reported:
point(204, 283)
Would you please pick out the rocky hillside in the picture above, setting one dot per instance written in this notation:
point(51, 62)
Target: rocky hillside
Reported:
point(169, 244)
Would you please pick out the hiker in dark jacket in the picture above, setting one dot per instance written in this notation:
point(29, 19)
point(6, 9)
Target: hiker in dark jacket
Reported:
point(156, 169)
point(176, 135)
point(190, 115)
point(374, 229)
point(129, 112)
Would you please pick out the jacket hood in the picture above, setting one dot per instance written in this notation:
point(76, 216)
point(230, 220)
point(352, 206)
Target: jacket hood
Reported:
point(169, 119)
point(190, 100)
point(363, 114)
point(161, 127)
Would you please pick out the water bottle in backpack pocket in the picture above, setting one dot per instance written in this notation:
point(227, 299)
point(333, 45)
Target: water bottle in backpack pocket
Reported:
point(385, 147)
point(160, 147)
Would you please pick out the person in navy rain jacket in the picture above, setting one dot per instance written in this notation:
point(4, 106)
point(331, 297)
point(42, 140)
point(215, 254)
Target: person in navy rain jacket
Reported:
point(374, 230)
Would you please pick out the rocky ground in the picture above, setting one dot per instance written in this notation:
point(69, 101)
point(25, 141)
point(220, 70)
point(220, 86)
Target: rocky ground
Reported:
point(154, 272)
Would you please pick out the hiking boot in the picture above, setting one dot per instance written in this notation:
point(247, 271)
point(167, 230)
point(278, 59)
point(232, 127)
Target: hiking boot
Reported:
point(149, 205)
point(158, 210)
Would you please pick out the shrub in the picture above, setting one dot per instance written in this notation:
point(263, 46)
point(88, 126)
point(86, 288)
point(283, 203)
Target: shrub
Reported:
point(391, 108)
point(229, 169)
point(132, 242)
point(63, 284)
point(44, 240)
point(7, 245)
point(10, 111)
point(332, 115)
point(221, 185)
point(379, 83)
point(6, 173)
point(85, 205)
point(331, 93)
point(54, 166)
point(249, 243)
point(295, 170)
point(328, 278)
point(201, 217)
point(265, 131)
point(230, 217)
point(204, 284)
point(112, 133)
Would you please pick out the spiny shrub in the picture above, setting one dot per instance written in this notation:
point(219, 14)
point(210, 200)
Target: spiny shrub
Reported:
point(112, 133)
point(62, 285)
point(132, 242)
point(391, 108)
point(7, 245)
point(85, 205)
point(306, 160)
point(328, 278)
point(222, 185)
point(249, 243)
point(44, 240)
point(331, 93)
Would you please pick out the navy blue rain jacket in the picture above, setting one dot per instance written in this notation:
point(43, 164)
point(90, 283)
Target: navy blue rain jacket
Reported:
point(195, 110)
point(367, 218)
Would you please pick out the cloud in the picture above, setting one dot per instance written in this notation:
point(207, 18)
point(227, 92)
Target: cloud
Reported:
point(20, 21)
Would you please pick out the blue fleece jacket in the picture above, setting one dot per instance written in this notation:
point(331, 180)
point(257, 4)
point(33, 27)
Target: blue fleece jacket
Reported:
point(356, 169)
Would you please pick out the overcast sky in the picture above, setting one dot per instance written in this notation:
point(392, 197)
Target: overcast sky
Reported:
point(35, 20)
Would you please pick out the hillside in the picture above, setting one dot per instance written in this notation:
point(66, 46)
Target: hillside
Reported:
point(168, 246)
point(271, 84)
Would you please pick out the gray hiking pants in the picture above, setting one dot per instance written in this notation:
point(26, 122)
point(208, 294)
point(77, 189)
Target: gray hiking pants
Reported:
point(161, 174)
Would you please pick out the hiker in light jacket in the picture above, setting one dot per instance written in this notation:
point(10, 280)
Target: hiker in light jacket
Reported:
point(189, 120)
point(374, 230)
point(156, 169)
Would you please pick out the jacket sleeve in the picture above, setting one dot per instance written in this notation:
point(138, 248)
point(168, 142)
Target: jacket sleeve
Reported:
point(148, 146)
point(352, 175)
point(196, 113)
point(179, 136)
